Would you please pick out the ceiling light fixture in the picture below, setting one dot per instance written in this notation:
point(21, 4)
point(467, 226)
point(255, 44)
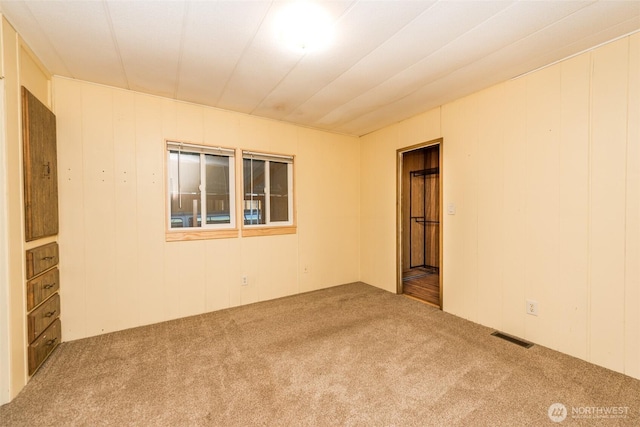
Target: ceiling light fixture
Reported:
point(304, 26)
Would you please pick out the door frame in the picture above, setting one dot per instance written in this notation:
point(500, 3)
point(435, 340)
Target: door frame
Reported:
point(5, 351)
point(399, 255)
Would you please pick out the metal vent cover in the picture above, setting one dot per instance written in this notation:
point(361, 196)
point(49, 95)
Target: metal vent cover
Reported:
point(512, 339)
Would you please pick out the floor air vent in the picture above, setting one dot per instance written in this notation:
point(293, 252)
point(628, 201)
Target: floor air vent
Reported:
point(511, 339)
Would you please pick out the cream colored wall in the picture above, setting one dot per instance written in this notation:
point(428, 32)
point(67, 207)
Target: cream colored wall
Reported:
point(378, 194)
point(116, 269)
point(20, 68)
point(544, 171)
point(5, 317)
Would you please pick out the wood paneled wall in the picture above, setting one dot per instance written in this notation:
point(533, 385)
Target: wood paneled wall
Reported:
point(117, 269)
point(544, 173)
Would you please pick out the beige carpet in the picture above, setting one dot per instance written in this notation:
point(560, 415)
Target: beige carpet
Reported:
point(352, 355)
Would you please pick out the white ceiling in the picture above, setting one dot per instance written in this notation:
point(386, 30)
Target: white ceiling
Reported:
point(389, 60)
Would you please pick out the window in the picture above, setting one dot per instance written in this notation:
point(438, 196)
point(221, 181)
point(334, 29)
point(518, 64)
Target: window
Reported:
point(200, 187)
point(268, 189)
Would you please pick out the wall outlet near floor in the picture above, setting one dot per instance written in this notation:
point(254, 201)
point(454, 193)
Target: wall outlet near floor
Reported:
point(245, 280)
point(532, 307)
point(305, 269)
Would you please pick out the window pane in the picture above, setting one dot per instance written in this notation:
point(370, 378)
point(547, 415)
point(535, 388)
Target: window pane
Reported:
point(217, 177)
point(254, 195)
point(279, 189)
point(184, 183)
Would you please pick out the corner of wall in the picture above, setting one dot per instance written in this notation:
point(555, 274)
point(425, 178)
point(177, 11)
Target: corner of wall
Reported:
point(359, 208)
point(2, 24)
point(19, 67)
point(5, 389)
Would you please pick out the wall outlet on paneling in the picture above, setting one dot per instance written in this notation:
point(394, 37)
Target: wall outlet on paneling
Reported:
point(532, 307)
point(245, 280)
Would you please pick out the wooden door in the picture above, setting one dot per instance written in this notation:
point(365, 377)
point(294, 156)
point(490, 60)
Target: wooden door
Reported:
point(416, 223)
point(40, 168)
point(432, 219)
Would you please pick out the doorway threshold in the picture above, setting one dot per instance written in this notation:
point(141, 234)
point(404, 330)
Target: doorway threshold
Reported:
point(422, 301)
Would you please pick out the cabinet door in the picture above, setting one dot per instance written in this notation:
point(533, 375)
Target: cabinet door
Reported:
point(41, 258)
point(42, 287)
point(40, 349)
point(40, 318)
point(40, 168)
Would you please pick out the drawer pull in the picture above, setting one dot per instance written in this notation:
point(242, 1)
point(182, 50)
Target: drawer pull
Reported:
point(50, 313)
point(52, 341)
point(47, 258)
point(49, 286)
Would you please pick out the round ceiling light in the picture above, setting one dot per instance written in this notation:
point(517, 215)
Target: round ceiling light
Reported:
point(304, 26)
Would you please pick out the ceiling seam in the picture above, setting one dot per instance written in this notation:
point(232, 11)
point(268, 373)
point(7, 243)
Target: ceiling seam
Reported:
point(53, 48)
point(114, 39)
point(260, 104)
point(363, 57)
point(573, 55)
point(183, 37)
point(244, 51)
point(346, 123)
point(415, 64)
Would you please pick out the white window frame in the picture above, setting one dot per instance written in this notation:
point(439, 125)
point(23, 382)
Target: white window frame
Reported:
point(279, 158)
point(183, 147)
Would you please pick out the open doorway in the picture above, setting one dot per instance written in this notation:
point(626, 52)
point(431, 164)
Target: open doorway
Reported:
point(419, 225)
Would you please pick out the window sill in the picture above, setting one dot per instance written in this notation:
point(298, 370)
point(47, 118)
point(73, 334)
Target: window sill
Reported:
point(268, 231)
point(181, 236)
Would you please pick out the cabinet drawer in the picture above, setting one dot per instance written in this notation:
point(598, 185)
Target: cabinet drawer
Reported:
point(41, 258)
point(40, 318)
point(40, 288)
point(41, 348)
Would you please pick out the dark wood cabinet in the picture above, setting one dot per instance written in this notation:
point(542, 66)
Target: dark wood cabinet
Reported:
point(40, 168)
point(41, 258)
point(41, 220)
point(42, 287)
point(43, 303)
point(40, 318)
point(42, 347)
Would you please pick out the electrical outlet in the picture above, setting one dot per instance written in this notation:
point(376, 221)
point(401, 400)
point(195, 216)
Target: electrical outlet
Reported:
point(532, 307)
point(245, 280)
point(305, 269)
